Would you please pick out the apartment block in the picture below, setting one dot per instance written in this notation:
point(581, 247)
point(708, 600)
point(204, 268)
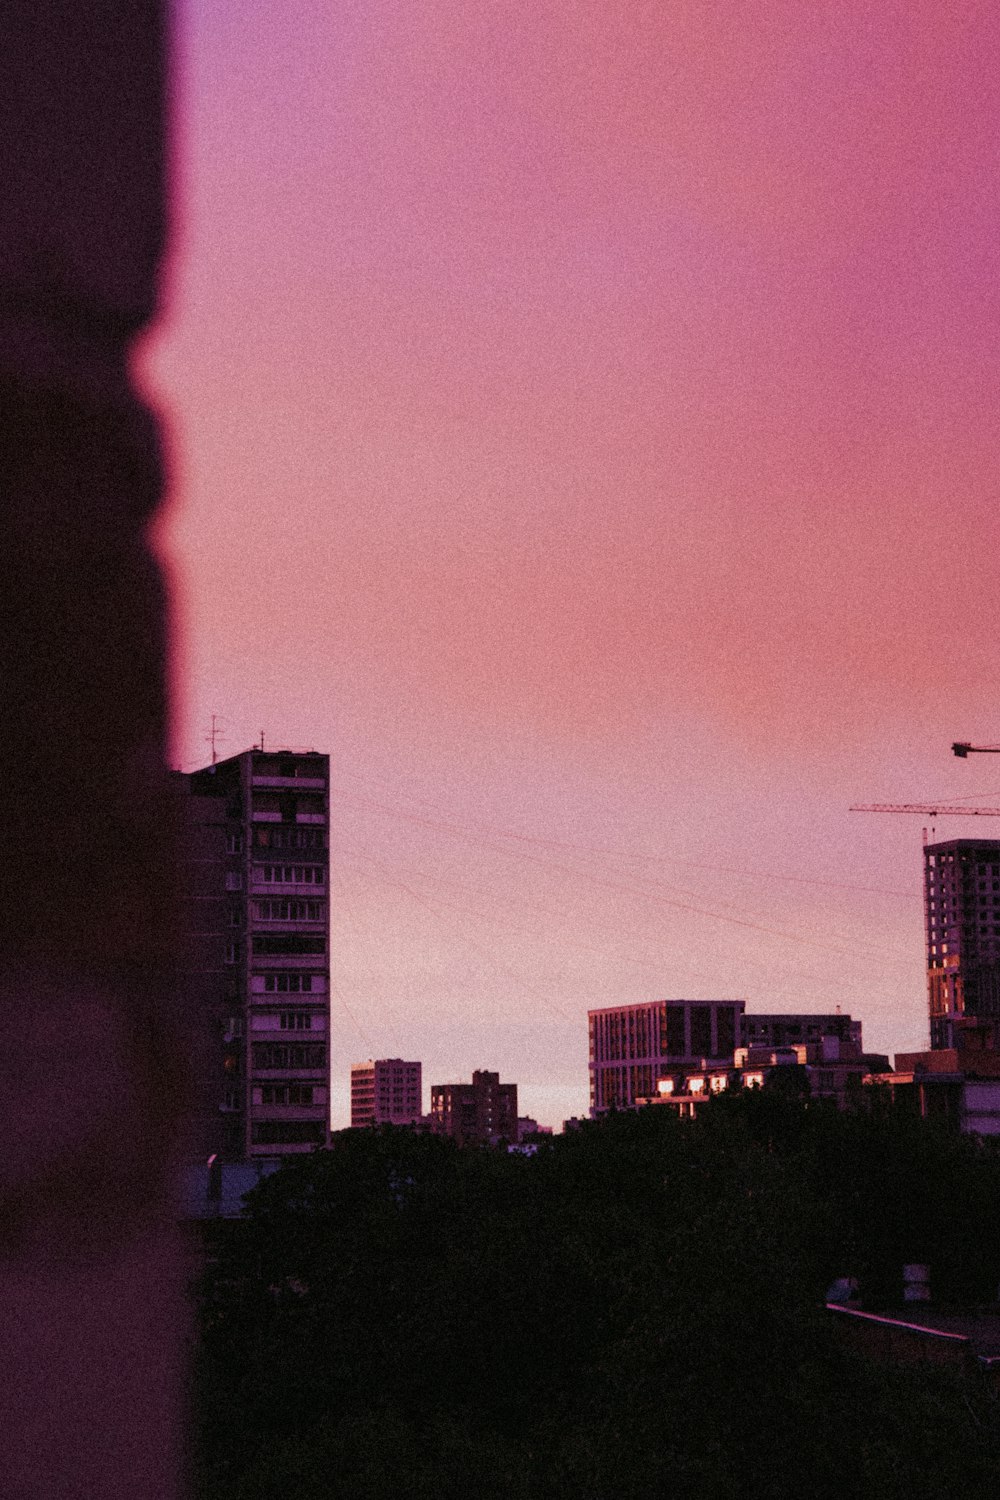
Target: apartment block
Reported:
point(480, 1113)
point(386, 1091)
point(257, 971)
point(633, 1046)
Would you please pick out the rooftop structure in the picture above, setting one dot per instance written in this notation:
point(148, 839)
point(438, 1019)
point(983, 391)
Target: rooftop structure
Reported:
point(793, 1029)
point(959, 1084)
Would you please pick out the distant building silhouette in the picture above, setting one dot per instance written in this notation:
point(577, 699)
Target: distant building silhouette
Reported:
point(385, 1091)
point(632, 1045)
point(794, 1029)
point(958, 1084)
point(483, 1112)
point(258, 966)
point(962, 908)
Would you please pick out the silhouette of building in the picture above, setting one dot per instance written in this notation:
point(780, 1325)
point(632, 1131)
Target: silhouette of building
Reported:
point(480, 1113)
point(257, 968)
point(795, 1030)
point(385, 1092)
point(95, 1106)
point(633, 1046)
point(829, 1069)
point(958, 1084)
point(962, 909)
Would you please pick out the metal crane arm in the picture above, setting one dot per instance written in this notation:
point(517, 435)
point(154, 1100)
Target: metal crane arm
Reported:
point(927, 809)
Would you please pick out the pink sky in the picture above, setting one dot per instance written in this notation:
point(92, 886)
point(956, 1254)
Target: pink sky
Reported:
point(585, 428)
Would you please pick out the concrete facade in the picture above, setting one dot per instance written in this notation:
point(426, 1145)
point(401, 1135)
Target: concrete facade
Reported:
point(796, 1029)
point(386, 1091)
point(958, 1084)
point(258, 966)
point(633, 1046)
point(480, 1113)
point(962, 923)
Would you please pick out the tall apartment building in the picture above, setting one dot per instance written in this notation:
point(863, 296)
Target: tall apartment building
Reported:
point(386, 1091)
point(480, 1113)
point(633, 1046)
point(258, 968)
point(798, 1030)
point(962, 911)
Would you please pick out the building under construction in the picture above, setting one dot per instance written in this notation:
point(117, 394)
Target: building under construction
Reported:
point(962, 906)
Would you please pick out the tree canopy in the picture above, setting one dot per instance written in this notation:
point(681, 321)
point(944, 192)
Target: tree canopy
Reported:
point(636, 1308)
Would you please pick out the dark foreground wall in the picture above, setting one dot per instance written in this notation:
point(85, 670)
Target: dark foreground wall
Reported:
point(90, 1064)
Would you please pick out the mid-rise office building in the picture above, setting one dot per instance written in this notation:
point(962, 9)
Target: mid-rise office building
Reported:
point(480, 1113)
point(633, 1046)
point(257, 973)
point(962, 908)
point(797, 1030)
point(386, 1091)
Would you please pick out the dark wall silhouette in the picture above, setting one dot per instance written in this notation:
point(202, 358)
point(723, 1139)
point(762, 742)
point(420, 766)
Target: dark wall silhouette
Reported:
point(93, 1059)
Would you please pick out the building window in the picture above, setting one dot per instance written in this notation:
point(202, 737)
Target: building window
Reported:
point(288, 984)
point(296, 1020)
point(234, 880)
point(234, 843)
point(289, 1055)
point(288, 911)
point(286, 1093)
point(675, 1043)
point(289, 838)
point(287, 1132)
point(230, 953)
point(725, 1021)
point(289, 942)
point(289, 874)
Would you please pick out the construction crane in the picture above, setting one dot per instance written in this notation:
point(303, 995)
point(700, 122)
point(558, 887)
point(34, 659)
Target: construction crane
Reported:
point(961, 748)
point(929, 809)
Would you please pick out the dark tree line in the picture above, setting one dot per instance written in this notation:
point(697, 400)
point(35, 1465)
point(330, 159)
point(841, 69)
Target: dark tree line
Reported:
point(636, 1309)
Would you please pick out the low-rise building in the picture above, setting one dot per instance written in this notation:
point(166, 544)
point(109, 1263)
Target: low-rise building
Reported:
point(958, 1084)
point(828, 1069)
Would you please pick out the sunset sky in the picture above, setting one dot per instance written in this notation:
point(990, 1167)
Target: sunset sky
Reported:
point(584, 426)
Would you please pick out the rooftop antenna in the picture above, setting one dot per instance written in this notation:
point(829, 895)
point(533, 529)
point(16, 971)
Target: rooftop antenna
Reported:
point(214, 734)
point(262, 739)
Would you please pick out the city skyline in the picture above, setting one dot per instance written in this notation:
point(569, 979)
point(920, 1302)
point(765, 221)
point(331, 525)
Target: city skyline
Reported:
point(589, 463)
